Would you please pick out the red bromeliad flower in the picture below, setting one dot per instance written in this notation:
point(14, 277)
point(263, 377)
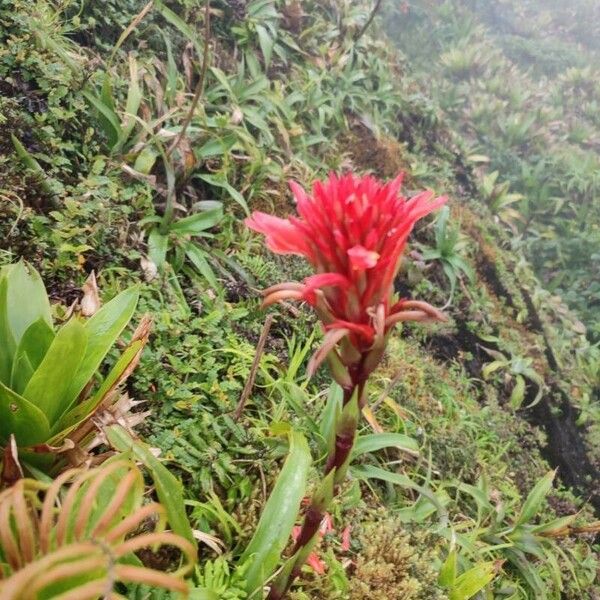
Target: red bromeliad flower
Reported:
point(353, 231)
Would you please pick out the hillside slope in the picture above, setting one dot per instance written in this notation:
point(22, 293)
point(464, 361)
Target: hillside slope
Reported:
point(122, 122)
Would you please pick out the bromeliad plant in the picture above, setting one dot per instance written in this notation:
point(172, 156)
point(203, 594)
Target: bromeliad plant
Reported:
point(49, 388)
point(353, 231)
point(77, 537)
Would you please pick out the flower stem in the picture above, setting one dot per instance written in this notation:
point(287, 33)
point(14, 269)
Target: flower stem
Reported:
point(335, 471)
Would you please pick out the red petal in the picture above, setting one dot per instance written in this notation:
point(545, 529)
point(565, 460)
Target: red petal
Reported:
point(315, 563)
point(329, 342)
point(282, 236)
point(315, 282)
point(361, 258)
point(361, 329)
point(346, 539)
point(326, 524)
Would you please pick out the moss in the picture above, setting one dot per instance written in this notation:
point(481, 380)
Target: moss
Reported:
point(393, 562)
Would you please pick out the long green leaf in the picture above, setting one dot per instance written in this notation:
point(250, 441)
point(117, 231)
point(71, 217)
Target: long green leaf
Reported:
point(535, 498)
point(223, 183)
point(198, 258)
point(103, 329)
point(49, 386)
point(107, 118)
point(81, 411)
point(371, 472)
point(20, 417)
point(132, 105)
point(34, 166)
point(377, 441)
point(278, 517)
point(329, 416)
point(168, 487)
point(474, 580)
point(23, 300)
point(158, 245)
point(266, 43)
point(180, 24)
point(199, 222)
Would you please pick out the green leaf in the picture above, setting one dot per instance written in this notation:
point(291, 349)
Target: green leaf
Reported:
point(31, 351)
point(180, 24)
point(199, 222)
point(23, 300)
point(555, 524)
point(158, 244)
point(474, 580)
point(145, 160)
point(535, 498)
point(29, 162)
point(518, 393)
point(198, 258)
point(20, 417)
point(215, 147)
point(132, 104)
point(330, 415)
point(81, 411)
point(377, 441)
point(203, 594)
point(266, 43)
point(278, 517)
point(108, 119)
point(447, 575)
point(168, 487)
point(49, 386)
point(103, 329)
point(489, 368)
point(371, 472)
point(222, 183)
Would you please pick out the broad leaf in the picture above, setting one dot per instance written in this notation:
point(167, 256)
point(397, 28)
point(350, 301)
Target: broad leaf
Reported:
point(199, 222)
point(198, 258)
point(371, 472)
point(279, 515)
point(158, 244)
point(49, 386)
point(21, 417)
point(32, 348)
point(23, 300)
point(474, 580)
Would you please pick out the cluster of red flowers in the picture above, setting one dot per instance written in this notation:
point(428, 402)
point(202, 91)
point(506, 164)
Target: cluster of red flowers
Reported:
point(353, 231)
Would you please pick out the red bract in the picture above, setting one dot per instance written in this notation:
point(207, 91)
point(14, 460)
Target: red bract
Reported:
point(353, 231)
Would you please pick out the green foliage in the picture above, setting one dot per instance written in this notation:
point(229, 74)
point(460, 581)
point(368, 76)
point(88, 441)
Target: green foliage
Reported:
point(536, 126)
point(450, 245)
point(47, 375)
point(94, 181)
point(279, 515)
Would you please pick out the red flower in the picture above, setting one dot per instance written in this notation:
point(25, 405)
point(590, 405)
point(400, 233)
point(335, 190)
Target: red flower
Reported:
point(353, 231)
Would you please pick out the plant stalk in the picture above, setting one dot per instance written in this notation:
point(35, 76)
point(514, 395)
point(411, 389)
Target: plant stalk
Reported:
point(334, 473)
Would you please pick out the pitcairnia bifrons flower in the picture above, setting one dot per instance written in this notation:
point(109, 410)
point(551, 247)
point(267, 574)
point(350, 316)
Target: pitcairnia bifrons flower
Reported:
point(353, 231)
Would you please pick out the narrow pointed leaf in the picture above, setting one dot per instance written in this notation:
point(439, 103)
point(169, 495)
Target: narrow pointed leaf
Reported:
point(536, 497)
point(377, 441)
point(278, 517)
point(168, 487)
point(103, 329)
